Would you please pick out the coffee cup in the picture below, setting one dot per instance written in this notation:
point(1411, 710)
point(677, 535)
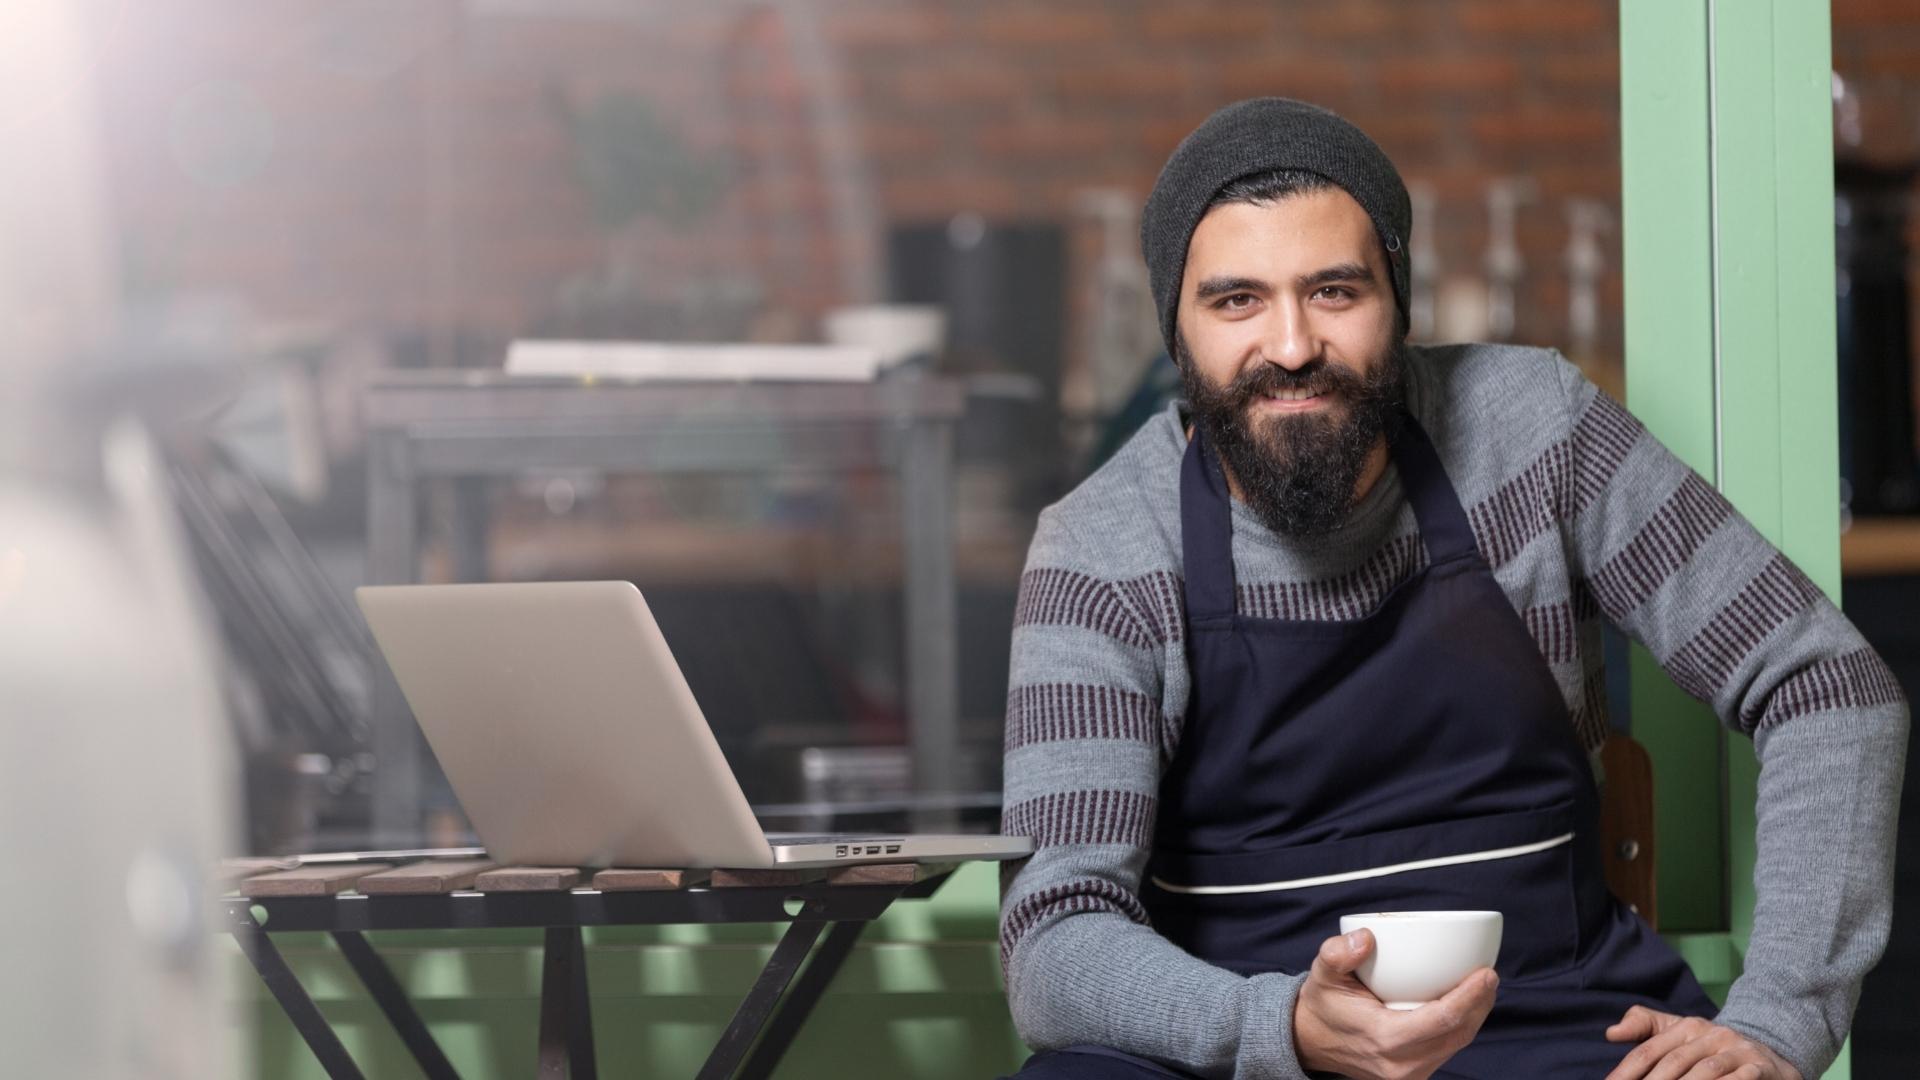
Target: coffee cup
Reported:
point(1420, 955)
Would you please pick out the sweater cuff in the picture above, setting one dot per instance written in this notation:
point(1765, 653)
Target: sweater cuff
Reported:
point(1803, 1041)
point(1266, 1030)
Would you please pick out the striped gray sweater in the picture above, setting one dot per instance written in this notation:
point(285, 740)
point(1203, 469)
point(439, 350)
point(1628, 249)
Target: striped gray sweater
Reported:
point(1583, 516)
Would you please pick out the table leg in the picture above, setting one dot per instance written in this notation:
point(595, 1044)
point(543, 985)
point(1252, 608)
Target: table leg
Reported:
point(293, 999)
point(558, 985)
point(387, 993)
point(752, 1014)
point(580, 1031)
point(933, 653)
point(801, 1000)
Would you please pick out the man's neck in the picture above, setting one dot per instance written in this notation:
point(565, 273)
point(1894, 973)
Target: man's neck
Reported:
point(1370, 474)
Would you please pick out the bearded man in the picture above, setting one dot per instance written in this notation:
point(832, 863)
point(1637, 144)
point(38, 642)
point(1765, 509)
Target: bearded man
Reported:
point(1325, 639)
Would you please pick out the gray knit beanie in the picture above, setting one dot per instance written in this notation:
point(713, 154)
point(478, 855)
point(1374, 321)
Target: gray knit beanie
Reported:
point(1255, 136)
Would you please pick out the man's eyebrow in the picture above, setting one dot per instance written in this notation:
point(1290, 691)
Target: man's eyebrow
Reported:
point(1344, 273)
point(1341, 273)
point(1221, 286)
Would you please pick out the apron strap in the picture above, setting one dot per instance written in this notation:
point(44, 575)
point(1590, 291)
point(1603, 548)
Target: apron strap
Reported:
point(1206, 532)
point(1444, 528)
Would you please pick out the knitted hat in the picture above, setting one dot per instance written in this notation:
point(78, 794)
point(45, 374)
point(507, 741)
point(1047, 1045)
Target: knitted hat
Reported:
point(1255, 136)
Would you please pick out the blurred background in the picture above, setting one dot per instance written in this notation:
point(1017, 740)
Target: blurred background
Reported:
point(315, 196)
point(269, 257)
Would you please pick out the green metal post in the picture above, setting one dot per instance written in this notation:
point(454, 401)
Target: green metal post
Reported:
point(1727, 199)
point(1667, 241)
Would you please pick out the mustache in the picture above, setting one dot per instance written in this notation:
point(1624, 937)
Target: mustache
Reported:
point(1318, 377)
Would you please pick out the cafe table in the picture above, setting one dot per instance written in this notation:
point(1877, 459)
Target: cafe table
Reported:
point(824, 912)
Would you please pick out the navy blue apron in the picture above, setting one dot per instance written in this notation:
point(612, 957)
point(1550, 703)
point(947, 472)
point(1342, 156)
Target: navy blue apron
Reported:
point(1318, 754)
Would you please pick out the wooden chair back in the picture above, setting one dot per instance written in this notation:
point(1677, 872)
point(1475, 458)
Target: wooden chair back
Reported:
point(1626, 824)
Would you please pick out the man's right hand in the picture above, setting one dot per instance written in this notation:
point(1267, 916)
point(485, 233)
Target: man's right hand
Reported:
point(1340, 1027)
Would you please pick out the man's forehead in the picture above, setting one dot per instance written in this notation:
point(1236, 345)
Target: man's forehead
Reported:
point(1298, 232)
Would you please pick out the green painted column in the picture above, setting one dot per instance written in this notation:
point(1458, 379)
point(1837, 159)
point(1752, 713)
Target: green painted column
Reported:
point(1775, 265)
point(1727, 203)
point(1667, 243)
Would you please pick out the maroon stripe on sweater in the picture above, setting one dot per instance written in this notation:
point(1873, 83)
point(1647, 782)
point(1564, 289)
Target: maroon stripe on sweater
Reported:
point(1703, 665)
point(1049, 712)
point(1855, 680)
point(1067, 598)
point(1663, 545)
point(1347, 596)
point(1602, 438)
point(1555, 630)
point(1524, 507)
point(1083, 817)
point(1160, 599)
point(1076, 896)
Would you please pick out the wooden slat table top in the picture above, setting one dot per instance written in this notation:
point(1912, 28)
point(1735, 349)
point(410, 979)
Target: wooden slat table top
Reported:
point(310, 880)
point(623, 879)
point(228, 872)
point(426, 877)
point(528, 879)
point(885, 873)
point(762, 878)
point(259, 878)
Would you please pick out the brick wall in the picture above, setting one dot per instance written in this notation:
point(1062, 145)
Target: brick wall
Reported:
point(411, 166)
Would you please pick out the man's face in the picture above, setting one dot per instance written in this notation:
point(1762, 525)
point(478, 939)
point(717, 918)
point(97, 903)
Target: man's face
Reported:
point(1290, 352)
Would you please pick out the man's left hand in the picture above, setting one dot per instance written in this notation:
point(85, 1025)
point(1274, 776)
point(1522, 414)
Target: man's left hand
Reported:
point(1689, 1048)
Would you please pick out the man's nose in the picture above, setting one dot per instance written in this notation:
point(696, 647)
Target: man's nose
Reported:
point(1289, 340)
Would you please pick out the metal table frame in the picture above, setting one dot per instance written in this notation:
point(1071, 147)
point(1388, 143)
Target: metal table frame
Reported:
point(765, 1023)
point(470, 425)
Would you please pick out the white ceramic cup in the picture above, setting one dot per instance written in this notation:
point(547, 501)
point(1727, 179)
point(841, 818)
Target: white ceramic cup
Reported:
point(1420, 955)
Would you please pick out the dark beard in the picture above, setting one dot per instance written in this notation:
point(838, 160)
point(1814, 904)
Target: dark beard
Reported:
point(1299, 473)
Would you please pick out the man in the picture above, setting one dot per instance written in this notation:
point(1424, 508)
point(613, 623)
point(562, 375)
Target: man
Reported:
point(1326, 639)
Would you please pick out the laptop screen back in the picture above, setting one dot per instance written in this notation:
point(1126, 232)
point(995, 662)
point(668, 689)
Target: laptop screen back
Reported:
point(564, 724)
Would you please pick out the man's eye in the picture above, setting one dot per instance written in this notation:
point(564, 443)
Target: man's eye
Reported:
point(1335, 292)
point(1237, 301)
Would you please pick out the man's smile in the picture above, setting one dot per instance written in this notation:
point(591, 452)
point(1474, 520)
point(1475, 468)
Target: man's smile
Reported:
point(1292, 401)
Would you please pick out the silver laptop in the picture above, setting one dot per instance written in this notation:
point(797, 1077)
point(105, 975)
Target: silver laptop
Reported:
point(571, 737)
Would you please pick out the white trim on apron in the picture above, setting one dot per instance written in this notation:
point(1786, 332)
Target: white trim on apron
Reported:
point(1374, 872)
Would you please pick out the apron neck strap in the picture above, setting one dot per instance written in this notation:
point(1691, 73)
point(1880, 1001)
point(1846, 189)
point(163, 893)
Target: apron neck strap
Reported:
point(1444, 528)
point(1206, 515)
point(1206, 531)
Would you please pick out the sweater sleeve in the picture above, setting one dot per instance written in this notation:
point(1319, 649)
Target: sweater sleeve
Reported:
point(1738, 626)
point(1086, 740)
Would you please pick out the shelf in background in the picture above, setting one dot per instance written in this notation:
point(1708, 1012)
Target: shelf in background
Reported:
point(686, 553)
point(1880, 547)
